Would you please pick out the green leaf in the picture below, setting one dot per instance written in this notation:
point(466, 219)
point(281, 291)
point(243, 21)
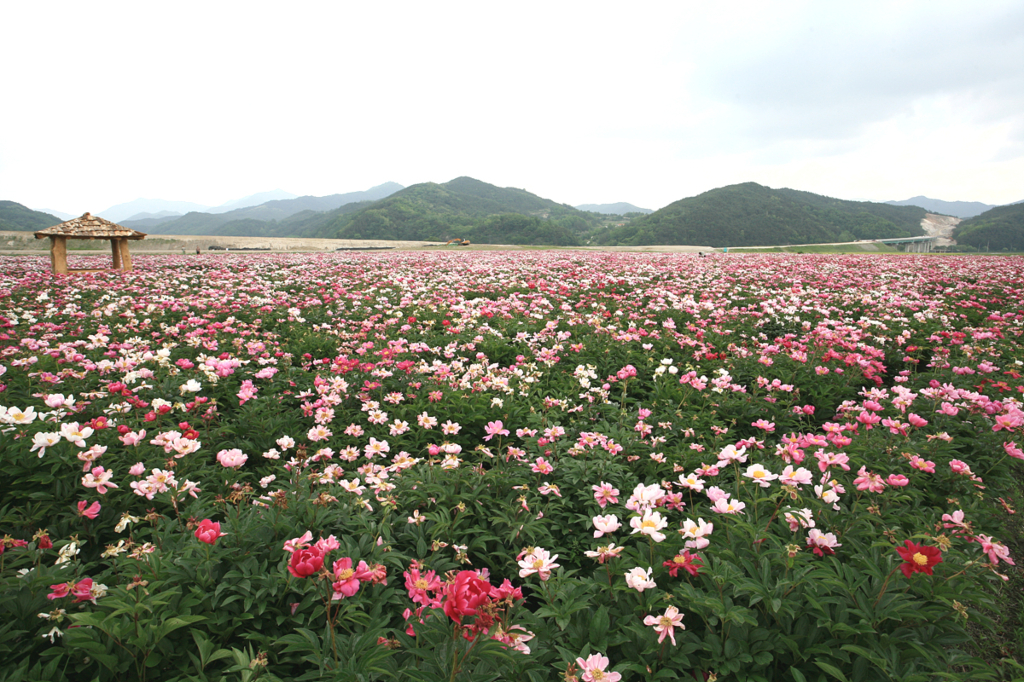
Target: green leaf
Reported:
point(832, 670)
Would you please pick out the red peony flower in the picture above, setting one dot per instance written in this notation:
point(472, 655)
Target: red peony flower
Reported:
point(306, 562)
point(208, 531)
point(686, 561)
point(464, 595)
point(918, 558)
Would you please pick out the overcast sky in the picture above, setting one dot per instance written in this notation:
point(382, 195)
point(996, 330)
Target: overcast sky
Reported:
point(589, 102)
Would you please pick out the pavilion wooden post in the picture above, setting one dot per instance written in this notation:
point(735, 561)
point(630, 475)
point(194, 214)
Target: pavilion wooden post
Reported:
point(126, 255)
point(59, 255)
point(115, 249)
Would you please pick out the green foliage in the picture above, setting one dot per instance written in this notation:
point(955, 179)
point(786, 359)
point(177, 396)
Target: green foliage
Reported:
point(998, 229)
point(752, 215)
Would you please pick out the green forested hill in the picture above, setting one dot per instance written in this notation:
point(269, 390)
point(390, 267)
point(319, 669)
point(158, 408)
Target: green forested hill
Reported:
point(753, 215)
point(998, 229)
point(465, 208)
point(14, 216)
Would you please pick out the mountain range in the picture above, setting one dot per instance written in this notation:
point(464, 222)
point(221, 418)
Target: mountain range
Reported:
point(746, 214)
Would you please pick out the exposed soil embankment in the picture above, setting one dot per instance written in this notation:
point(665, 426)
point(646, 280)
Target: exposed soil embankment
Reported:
point(941, 227)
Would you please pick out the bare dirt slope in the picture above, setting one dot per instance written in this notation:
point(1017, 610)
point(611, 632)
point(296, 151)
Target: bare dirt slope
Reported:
point(941, 227)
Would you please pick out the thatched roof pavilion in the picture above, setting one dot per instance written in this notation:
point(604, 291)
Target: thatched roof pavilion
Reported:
point(89, 227)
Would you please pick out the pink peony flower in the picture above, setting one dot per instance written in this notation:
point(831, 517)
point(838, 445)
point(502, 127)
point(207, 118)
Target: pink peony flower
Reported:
point(91, 511)
point(208, 531)
point(605, 493)
point(232, 458)
point(495, 428)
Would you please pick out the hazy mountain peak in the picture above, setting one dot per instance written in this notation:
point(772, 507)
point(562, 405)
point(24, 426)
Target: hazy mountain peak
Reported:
point(60, 214)
point(619, 208)
point(124, 211)
point(960, 209)
point(253, 200)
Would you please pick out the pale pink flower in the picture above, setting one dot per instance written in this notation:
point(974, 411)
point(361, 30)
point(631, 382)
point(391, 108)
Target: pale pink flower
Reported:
point(426, 421)
point(606, 524)
point(821, 543)
point(133, 438)
point(495, 428)
point(799, 518)
point(696, 534)
point(640, 579)
point(728, 506)
point(644, 497)
point(995, 550)
point(73, 433)
point(730, 454)
point(301, 542)
point(800, 476)
point(666, 624)
point(42, 440)
point(715, 494)
point(99, 478)
point(692, 481)
point(91, 455)
point(651, 524)
point(232, 458)
point(593, 669)
point(760, 475)
point(538, 561)
point(376, 448)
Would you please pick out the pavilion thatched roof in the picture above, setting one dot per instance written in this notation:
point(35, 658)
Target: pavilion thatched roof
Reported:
point(90, 227)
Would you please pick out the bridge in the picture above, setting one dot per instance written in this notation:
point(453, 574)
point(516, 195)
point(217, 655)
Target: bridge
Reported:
point(914, 244)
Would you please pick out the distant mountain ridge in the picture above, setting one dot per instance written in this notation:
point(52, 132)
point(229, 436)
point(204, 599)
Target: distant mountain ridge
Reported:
point(749, 214)
point(253, 200)
point(201, 222)
point(959, 209)
point(60, 214)
point(620, 208)
point(126, 210)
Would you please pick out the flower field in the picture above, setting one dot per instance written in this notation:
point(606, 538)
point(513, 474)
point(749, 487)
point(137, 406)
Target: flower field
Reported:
point(512, 466)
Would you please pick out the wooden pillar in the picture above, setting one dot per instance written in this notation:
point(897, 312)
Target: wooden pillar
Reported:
point(126, 256)
point(59, 255)
point(115, 249)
